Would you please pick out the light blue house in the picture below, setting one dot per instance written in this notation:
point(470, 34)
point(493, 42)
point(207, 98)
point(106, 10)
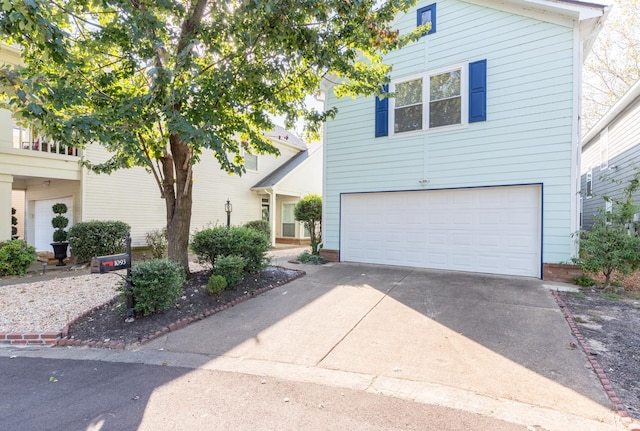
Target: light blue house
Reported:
point(473, 165)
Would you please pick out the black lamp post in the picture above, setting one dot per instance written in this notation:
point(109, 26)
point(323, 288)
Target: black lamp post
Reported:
point(228, 208)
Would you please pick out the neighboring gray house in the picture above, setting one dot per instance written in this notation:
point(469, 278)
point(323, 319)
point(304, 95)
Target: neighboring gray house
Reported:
point(610, 155)
point(474, 164)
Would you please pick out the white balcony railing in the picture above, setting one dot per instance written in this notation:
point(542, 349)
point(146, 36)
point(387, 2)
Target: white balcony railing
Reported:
point(50, 148)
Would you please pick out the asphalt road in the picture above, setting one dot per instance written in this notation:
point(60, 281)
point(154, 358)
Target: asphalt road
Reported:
point(63, 394)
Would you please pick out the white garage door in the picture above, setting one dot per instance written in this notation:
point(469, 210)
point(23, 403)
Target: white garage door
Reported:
point(493, 230)
point(43, 215)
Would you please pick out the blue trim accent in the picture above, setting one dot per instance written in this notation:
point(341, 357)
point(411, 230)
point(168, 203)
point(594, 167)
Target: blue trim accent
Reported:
point(382, 114)
point(541, 274)
point(478, 91)
point(432, 9)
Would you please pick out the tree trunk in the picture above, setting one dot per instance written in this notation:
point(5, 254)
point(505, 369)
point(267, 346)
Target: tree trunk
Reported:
point(178, 200)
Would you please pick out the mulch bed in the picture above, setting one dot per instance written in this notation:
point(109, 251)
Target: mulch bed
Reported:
point(105, 325)
point(611, 330)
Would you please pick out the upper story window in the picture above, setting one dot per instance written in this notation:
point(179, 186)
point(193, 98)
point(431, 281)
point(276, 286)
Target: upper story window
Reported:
point(451, 96)
point(250, 161)
point(427, 15)
point(444, 93)
point(589, 180)
point(21, 136)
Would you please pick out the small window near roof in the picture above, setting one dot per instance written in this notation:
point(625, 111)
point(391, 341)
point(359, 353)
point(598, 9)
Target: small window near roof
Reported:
point(250, 161)
point(427, 15)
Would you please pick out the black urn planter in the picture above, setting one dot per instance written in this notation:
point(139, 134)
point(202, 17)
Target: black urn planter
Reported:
point(60, 252)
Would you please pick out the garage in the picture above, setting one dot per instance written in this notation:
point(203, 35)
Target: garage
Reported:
point(494, 230)
point(42, 221)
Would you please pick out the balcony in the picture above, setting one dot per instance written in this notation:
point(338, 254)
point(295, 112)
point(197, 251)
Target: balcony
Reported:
point(50, 148)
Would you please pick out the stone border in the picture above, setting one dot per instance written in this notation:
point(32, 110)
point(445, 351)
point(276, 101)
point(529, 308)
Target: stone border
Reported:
point(606, 384)
point(63, 339)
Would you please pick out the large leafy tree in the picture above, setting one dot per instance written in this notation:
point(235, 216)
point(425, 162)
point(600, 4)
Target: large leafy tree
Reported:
point(613, 64)
point(158, 81)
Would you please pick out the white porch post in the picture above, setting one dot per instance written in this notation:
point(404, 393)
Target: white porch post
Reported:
point(6, 184)
point(272, 215)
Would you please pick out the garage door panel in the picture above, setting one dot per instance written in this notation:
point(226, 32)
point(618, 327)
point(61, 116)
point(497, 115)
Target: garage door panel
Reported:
point(493, 230)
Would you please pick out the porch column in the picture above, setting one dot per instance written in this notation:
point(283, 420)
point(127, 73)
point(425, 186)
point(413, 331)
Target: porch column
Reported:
point(272, 215)
point(6, 184)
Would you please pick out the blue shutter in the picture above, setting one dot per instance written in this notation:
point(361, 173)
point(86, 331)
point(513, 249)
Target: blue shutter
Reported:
point(478, 91)
point(382, 114)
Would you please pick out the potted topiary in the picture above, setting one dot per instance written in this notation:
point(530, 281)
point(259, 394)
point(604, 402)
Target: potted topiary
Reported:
point(60, 243)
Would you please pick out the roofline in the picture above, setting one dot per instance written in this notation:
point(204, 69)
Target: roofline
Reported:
point(310, 152)
point(618, 108)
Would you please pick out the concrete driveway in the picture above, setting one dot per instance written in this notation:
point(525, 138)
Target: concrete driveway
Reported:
point(497, 346)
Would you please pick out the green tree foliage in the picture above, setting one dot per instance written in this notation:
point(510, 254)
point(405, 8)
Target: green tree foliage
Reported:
point(308, 210)
point(612, 244)
point(156, 82)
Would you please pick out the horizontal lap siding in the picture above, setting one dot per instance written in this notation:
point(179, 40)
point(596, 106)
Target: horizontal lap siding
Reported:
point(624, 153)
point(526, 138)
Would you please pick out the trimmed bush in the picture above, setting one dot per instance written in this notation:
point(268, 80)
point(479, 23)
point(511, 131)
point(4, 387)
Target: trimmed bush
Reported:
point(261, 226)
point(59, 222)
point(15, 257)
point(251, 245)
point(157, 285)
point(216, 285)
point(98, 238)
point(231, 268)
point(157, 242)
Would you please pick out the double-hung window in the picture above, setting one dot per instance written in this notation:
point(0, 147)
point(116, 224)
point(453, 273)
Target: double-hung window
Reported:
point(429, 101)
point(447, 97)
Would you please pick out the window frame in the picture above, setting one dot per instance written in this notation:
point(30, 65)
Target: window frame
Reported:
point(589, 184)
point(245, 153)
point(432, 8)
point(426, 79)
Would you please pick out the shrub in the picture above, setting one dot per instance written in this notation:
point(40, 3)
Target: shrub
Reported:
point(216, 285)
point(251, 245)
point(584, 281)
point(156, 285)
point(261, 226)
point(59, 222)
point(157, 242)
point(15, 257)
point(315, 259)
point(308, 210)
point(231, 268)
point(98, 238)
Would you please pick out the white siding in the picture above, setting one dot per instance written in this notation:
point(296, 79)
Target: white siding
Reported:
point(132, 195)
point(525, 140)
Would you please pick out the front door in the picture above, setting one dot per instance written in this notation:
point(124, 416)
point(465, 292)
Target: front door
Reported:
point(288, 221)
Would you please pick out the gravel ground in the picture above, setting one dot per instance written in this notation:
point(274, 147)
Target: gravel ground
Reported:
point(49, 304)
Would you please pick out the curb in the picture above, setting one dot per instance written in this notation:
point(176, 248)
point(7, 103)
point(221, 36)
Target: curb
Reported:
point(64, 340)
point(597, 368)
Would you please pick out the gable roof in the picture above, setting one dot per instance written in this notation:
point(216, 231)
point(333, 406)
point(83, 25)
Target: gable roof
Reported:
point(631, 96)
point(286, 137)
point(285, 169)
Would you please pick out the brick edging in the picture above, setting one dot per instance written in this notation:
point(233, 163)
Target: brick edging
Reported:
point(30, 338)
point(606, 384)
point(64, 339)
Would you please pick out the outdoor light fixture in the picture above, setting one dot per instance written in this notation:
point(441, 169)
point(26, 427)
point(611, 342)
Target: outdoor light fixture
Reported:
point(228, 208)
